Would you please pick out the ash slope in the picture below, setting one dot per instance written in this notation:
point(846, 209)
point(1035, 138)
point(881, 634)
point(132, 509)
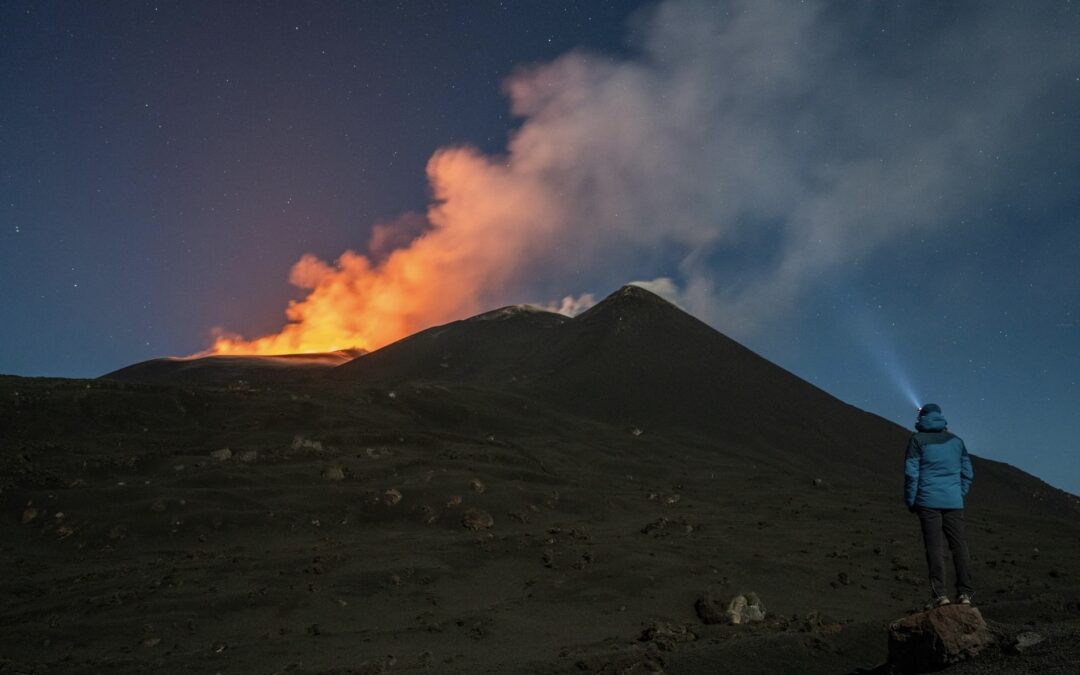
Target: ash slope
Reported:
point(637, 361)
point(331, 538)
point(225, 370)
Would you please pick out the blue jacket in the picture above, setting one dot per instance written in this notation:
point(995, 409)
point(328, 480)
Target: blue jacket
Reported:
point(937, 472)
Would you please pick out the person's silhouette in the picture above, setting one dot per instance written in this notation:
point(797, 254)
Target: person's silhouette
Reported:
point(937, 477)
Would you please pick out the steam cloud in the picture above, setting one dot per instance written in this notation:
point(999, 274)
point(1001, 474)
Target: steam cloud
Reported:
point(745, 150)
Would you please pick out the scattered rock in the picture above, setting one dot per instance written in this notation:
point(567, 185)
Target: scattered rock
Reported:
point(391, 497)
point(157, 506)
point(818, 623)
point(477, 519)
point(300, 443)
point(662, 527)
point(151, 642)
point(636, 431)
point(477, 486)
point(665, 634)
point(455, 500)
point(818, 482)
point(549, 558)
point(29, 514)
point(658, 524)
point(936, 638)
point(710, 609)
point(520, 516)
point(1025, 641)
point(746, 608)
point(222, 455)
point(333, 473)
point(430, 515)
point(248, 456)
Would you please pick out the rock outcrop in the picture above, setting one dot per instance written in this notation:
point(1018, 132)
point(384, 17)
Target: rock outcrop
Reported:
point(930, 640)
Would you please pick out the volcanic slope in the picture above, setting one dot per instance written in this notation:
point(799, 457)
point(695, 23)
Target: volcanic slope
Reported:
point(489, 516)
point(638, 362)
point(228, 370)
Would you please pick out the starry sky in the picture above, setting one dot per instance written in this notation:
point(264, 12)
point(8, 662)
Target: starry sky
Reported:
point(883, 198)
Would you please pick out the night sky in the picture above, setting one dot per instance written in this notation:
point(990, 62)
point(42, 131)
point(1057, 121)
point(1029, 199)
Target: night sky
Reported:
point(883, 198)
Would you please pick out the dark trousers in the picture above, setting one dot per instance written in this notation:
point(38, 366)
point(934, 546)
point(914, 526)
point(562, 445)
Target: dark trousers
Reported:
point(949, 522)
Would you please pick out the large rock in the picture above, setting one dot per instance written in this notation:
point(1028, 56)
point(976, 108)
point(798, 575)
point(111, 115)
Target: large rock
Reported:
point(930, 640)
point(710, 609)
point(746, 609)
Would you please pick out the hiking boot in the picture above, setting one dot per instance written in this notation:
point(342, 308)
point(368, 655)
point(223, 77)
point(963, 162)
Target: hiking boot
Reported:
point(939, 601)
point(964, 599)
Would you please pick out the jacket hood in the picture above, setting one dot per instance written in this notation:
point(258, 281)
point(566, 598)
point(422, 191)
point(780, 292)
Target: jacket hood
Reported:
point(933, 420)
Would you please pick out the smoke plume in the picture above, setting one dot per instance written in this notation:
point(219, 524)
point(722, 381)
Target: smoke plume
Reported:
point(742, 151)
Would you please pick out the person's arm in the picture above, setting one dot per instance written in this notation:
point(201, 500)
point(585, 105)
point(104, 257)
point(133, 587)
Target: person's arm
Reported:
point(967, 472)
point(911, 472)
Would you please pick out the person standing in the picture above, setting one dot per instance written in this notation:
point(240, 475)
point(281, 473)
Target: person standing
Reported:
point(937, 477)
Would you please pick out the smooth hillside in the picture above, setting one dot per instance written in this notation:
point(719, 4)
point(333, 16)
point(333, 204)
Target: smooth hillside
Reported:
point(230, 371)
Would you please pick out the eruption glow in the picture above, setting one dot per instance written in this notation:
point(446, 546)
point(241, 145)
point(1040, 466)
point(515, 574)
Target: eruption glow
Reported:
point(486, 218)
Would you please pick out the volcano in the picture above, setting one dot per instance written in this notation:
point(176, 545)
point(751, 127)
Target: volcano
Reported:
point(518, 491)
point(637, 361)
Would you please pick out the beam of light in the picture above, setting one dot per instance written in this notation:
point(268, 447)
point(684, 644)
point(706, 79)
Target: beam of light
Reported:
point(878, 345)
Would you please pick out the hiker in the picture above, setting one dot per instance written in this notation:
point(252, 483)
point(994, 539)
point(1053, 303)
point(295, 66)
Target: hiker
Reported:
point(937, 477)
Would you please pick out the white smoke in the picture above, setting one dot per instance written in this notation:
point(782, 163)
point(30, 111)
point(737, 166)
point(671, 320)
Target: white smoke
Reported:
point(772, 134)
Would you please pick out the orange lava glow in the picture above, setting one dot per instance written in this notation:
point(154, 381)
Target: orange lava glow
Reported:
point(485, 217)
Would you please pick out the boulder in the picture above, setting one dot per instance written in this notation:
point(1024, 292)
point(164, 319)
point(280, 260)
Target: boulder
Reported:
point(936, 638)
point(710, 609)
point(746, 608)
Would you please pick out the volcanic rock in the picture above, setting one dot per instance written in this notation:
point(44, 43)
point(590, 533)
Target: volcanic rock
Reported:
point(477, 486)
point(222, 455)
point(477, 519)
point(1025, 641)
point(746, 608)
point(333, 473)
point(936, 638)
point(710, 609)
point(391, 496)
point(665, 634)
